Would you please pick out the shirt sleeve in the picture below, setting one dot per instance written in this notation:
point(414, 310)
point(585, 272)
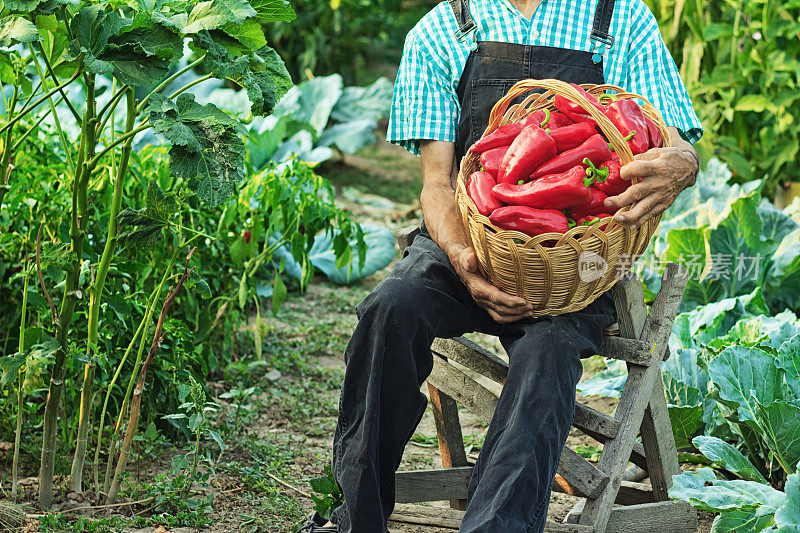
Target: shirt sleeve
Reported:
point(424, 105)
point(653, 74)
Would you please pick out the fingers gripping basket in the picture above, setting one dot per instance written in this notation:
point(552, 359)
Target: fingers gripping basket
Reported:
point(557, 273)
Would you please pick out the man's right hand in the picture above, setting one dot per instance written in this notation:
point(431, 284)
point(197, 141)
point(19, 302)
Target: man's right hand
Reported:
point(501, 306)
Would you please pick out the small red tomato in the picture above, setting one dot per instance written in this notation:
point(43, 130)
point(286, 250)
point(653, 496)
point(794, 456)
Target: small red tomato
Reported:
point(247, 236)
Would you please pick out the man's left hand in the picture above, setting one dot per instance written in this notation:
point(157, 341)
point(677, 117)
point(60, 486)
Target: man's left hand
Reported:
point(665, 172)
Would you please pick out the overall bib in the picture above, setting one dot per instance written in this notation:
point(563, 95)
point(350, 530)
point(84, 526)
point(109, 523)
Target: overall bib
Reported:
point(388, 357)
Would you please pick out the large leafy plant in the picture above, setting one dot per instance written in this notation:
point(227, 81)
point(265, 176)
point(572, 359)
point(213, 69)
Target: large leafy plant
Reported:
point(740, 61)
point(66, 54)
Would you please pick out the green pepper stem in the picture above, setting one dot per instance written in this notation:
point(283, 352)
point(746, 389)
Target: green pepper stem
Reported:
point(630, 135)
point(593, 173)
point(570, 223)
point(546, 118)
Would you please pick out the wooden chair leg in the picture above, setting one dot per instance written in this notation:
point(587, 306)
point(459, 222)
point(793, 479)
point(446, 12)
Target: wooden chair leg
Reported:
point(448, 430)
point(659, 443)
point(639, 386)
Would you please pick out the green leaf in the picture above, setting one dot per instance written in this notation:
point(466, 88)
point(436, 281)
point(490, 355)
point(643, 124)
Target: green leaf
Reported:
point(740, 522)
point(207, 149)
point(249, 33)
point(273, 10)
point(323, 485)
point(783, 276)
point(705, 492)
point(278, 293)
point(312, 101)
point(262, 73)
point(214, 14)
point(787, 517)
point(58, 255)
point(92, 27)
point(687, 421)
point(364, 103)
point(744, 375)
point(14, 30)
point(728, 457)
point(148, 224)
point(328, 248)
point(788, 360)
point(779, 424)
point(349, 137)
point(685, 382)
point(754, 102)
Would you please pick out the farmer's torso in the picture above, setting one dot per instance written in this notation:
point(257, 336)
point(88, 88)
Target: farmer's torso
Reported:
point(492, 67)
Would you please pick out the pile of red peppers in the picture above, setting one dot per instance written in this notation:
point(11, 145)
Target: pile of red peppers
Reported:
point(553, 170)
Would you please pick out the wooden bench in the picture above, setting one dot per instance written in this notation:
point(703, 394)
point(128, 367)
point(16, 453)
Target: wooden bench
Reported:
point(640, 339)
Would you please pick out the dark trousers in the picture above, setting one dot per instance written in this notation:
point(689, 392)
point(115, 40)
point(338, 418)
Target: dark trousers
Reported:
point(389, 357)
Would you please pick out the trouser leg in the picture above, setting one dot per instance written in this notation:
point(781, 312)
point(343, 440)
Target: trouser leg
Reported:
point(511, 483)
point(387, 360)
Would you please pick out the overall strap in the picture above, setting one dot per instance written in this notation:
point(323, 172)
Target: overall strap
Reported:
point(463, 17)
point(600, 37)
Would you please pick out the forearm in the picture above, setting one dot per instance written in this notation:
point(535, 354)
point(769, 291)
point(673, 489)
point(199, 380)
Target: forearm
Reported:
point(441, 216)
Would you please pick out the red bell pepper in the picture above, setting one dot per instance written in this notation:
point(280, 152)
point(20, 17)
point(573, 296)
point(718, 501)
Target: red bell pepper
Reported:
point(572, 136)
point(502, 136)
point(627, 116)
point(529, 220)
point(479, 188)
point(589, 220)
point(595, 205)
point(653, 133)
point(491, 160)
point(557, 191)
point(608, 178)
point(595, 148)
point(574, 111)
point(530, 149)
point(557, 120)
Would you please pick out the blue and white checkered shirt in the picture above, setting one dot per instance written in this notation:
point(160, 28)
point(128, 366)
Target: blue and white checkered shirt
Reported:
point(425, 105)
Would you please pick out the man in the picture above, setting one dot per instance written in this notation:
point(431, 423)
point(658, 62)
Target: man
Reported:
point(457, 62)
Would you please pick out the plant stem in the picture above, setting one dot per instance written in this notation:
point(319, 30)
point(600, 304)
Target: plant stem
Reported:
point(78, 221)
point(130, 135)
point(108, 109)
point(190, 85)
point(5, 171)
point(57, 121)
point(192, 472)
point(137, 393)
point(35, 104)
point(55, 81)
point(20, 380)
point(103, 411)
point(154, 297)
point(95, 297)
point(166, 82)
point(24, 136)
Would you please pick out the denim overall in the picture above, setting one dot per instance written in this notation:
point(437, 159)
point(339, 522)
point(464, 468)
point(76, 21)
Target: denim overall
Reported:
point(388, 357)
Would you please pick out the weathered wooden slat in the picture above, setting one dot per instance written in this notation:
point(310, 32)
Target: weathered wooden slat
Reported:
point(587, 419)
point(479, 400)
point(641, 380)
point(424, 515)
point(472, 356)
point(432, 485)
point(663, 517)
point(405, 236)
point(630, 350)
point(581, 474)
point(448, 430)
point(602, 427)
point(557, 527)
point(629, 493)
point(659, 443)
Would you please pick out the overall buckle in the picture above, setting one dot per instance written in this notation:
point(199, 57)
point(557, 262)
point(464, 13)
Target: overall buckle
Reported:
point(464, 30)
point(600, 43)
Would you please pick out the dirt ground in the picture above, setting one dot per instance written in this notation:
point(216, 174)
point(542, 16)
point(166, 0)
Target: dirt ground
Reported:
point(282, 439)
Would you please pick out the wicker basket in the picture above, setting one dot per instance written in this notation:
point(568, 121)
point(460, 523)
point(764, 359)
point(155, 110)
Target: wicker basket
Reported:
point(557, 273)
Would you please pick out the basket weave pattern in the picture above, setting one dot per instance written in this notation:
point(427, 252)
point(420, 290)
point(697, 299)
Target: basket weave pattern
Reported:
point(544, 270)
